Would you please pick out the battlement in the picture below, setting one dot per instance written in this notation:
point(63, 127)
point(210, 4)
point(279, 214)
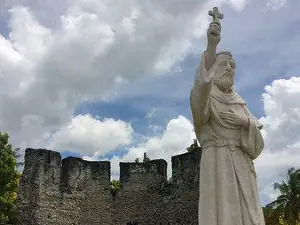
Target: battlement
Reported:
point(75, 174)
point(75, 191)
point(69, 174)
point(186, 168)
point(141, 175)
point(81, 175)
point(41, 168)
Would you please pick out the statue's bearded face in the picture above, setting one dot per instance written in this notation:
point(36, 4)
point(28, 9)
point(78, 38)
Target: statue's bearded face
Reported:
point(224, 76)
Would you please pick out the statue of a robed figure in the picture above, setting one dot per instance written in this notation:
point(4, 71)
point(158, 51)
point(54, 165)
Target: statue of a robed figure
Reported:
point(230, 138)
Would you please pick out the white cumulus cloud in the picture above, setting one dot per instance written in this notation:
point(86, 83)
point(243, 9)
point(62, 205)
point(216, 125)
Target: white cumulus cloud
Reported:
point(281, 132)
point(90, 136)
point(61, 53)
point(176, 137)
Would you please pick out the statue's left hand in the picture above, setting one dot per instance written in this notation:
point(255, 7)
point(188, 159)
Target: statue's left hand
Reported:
point(233, 118)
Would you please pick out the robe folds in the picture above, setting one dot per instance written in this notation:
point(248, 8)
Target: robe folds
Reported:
point(228, 189)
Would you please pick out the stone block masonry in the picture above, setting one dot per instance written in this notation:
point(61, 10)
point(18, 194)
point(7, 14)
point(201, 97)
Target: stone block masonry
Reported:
point(73, 191)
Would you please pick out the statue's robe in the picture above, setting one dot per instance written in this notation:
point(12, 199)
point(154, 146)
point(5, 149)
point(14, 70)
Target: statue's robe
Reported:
point(228, 187)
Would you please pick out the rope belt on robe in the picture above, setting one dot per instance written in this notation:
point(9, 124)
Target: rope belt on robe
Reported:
point(232, 144)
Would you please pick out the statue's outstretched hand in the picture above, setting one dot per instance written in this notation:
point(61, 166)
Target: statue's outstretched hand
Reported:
point(213, 39)
point(214, 34)
point(233, 118)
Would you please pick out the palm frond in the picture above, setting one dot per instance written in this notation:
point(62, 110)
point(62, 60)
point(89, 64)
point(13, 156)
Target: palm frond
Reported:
point(282, 187)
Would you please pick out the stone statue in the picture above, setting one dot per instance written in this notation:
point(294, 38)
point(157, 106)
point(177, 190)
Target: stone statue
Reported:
point(230, 138)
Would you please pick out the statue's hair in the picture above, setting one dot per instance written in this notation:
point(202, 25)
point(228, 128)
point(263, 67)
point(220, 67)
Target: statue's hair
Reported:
point(224, 53)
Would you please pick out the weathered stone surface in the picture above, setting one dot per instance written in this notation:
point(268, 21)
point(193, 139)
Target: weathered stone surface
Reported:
point(73, 191)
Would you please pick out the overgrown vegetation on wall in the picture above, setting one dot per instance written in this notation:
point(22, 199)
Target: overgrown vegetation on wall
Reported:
point(115, 186)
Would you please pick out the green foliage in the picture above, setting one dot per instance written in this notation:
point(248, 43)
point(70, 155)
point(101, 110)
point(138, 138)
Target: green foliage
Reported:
point(146, 160)
point(9, 180)
point(285, 210)
point(193, 146)
point(273, 216)
point(189, 149)
point(115, 186)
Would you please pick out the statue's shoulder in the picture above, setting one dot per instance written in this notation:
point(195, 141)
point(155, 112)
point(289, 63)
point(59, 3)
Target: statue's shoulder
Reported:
point(240, 99)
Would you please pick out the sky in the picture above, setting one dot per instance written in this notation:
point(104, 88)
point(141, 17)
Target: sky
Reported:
point(110, 80)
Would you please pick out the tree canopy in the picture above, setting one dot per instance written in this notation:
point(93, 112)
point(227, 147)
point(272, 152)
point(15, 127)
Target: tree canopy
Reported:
point(9, 180)
point(285, 209)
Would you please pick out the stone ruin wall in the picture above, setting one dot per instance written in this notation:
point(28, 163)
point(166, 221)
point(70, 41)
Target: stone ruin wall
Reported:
point(73, 191)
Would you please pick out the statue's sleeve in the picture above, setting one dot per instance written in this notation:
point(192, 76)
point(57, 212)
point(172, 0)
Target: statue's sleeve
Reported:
point(251, 138)
point(199, 98)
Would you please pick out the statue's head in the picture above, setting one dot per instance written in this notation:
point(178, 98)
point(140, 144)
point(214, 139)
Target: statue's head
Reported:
point(224, 73)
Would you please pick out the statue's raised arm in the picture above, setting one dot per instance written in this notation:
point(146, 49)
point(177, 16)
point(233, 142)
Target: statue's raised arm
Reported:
point(206, 71)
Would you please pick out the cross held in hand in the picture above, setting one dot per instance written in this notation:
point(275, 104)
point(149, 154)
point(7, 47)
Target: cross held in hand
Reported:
point(215, 14)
